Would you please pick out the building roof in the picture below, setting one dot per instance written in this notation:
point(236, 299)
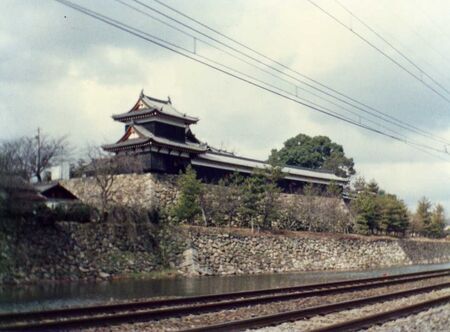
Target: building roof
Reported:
point(235, 163)
point(138, 136)
point(19, 189)
point(54, 190)
point(148, 106)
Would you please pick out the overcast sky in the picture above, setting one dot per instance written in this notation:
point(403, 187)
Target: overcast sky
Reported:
point(67, 74)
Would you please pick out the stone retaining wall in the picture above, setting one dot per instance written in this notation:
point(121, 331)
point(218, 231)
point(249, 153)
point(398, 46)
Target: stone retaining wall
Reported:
point(152, 190)
point(215, 251)
point(71, 251)
point(145, 190)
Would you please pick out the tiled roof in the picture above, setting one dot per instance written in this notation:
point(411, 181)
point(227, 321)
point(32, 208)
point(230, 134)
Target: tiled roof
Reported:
point(162, 107)
point(233, 162)
point(146, 138)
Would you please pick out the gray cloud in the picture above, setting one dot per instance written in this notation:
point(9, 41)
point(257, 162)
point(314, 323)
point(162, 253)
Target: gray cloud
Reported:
point(66, 73)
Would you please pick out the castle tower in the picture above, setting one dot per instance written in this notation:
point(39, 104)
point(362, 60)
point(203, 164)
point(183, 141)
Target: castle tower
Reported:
point(159, 133)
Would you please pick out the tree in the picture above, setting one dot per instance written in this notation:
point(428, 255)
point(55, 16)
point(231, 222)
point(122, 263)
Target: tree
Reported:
point(317, 152)
point(188, 205)
point(104, 168)
point(394, 216)
point(366, 211)
point(309, 211)
point(79, 168)
point(415, 227)
point(359, 184)
point(423, 215)
point(30, 156)
point(372, 187)
point(252, 195)
point(269, 204)
point(333, 190)
point(437, 226)
point(260, 194)
point(227, 197)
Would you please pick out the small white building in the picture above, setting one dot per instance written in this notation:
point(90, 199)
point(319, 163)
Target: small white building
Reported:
point(60, 172)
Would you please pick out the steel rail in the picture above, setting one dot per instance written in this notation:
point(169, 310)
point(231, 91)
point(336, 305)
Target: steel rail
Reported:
point(136, 305)
point(182, 310)
point(288, 316)
point(382, 317)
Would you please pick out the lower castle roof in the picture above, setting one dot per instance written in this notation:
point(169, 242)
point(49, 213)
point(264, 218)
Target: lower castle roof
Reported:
point(235, 163)
point(146, 138)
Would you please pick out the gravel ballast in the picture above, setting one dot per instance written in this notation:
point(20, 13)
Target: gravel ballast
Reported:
point(432, 320)
point(189, 321)
point(334, 318)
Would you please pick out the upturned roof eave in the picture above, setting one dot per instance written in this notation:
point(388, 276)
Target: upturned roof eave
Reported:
point(150, 142)
point(123, 117)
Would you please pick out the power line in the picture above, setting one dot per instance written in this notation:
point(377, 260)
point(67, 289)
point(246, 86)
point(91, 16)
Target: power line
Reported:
point(267, 72)
point(425, 40)
point(434, 23)
point(392, 46)
point(407, 49)
point(379, 50)
point(159, 42)
point(403, 123)
point(402, 137)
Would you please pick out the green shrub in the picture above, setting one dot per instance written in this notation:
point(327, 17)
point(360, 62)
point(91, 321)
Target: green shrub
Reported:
point(43, 214)
point(79, 212)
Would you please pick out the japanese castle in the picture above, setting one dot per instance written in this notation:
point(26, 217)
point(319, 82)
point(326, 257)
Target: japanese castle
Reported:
point(159, 133)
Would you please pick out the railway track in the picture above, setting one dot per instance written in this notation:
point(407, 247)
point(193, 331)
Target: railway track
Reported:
point(370, 320)
point(275, 319)
point(158, 309)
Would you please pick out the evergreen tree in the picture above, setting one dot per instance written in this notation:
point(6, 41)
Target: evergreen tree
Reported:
point(188, 205)
point(269, 207)
point(437, 225)
point(423, 215)
point(394, 216)
point(260, 194)
point(252, 195)
point(366, 211)
point(373, 187)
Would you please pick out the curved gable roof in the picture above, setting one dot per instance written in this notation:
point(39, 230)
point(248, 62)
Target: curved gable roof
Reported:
point(148, 106)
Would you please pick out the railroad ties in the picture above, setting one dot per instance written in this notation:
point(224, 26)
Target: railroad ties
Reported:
point(155, 310)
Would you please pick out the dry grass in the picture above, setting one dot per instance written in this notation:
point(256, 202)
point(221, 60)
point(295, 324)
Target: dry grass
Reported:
point(295, 234)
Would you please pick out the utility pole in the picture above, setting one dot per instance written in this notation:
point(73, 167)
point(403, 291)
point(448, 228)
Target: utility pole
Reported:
point(38, 161)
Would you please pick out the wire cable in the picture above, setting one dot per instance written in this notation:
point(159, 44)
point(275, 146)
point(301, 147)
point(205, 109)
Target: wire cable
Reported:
point(270, 73)
point(403, 123)
point(392, 46)
point(380, 51)
point(157, 41)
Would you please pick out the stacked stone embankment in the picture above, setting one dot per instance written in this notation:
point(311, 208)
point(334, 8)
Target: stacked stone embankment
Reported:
point(71, 251)
point(144, 190)
point(160, 192)
point(217, 252)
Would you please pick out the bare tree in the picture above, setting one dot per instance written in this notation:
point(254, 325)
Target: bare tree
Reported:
point(225, 199)
point(104, 168)
point(30, 156)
